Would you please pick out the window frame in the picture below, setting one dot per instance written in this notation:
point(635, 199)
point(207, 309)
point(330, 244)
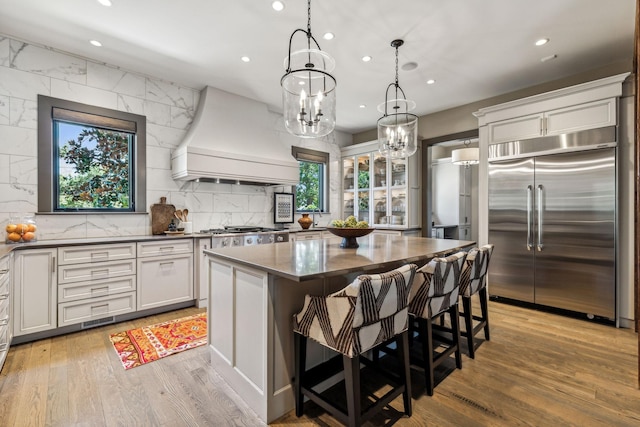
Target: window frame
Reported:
point(50, 110)
point(315, 156)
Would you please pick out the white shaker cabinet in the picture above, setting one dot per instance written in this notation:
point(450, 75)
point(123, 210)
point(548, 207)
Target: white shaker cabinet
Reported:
point(574, 118)
point(35, 297)
point(167, 278)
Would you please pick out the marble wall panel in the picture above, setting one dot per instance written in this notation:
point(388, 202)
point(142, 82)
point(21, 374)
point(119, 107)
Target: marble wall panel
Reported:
point(260, 203)
point(5, 169)
point(230, 203)
point(47, 62)
point(195, 202)
point(4, 109)
point(4, 51)
point(18, 141)
point(22, 84)
point(115, 80)
point(181, 118)
point(170, 94)
point(130, 104)
point(24, 170)
point(162, 136)
point(158, 158)
point(117, 225)
point(157, 113)
point(59, 226)
point(23, 113)
point(84, 94)
point(160, 179)
point(18, 198)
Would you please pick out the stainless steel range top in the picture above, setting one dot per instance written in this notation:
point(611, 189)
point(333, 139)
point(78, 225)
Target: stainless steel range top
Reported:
point(245, 235)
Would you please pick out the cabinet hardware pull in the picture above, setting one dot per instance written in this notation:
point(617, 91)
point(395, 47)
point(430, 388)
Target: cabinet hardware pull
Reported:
point(53, 264)
point(166, 248)
point(529, 216)
point(3, 347)
point(167, 263)
point(105, 271)
point(4, 322)
point(4, 271)
point(93, 307)
point(4, 296)
point(101, 288)
point(99, 254)
point(540, 219)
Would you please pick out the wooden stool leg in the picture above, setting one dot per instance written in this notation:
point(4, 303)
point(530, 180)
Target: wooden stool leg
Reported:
point(454, 314)
point(427, 353)
point(300, 350)
point(402, 342)
point(482, 293)
point(352, 384)
point(468, 322)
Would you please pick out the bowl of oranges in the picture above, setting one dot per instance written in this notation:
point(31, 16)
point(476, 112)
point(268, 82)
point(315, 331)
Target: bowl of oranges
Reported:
point(21, 230)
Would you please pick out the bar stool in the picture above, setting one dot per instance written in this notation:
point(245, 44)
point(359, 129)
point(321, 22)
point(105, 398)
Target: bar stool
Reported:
point(369, 312)
point(474, 281)
point(434, 294)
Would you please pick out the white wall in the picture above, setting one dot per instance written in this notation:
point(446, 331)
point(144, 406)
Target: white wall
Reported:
point(27, 70)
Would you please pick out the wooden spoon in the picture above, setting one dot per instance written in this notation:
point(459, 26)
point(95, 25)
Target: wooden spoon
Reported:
point(178, 214)
point(185, 212)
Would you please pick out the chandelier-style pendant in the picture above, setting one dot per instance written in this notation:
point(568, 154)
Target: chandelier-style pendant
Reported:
point(398, 130)
point(308, 90)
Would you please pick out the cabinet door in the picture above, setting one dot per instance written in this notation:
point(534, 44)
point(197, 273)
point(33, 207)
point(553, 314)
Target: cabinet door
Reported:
point(515, 129)
point(363, 184)
point(35, 296)
point(164, 280)
point(581, 117)
point(201, 273)
point(348, 185)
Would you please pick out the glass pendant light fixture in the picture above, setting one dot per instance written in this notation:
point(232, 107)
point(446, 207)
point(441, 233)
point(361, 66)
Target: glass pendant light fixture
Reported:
point(466, 156)
point(308, 90)
point(398, 130)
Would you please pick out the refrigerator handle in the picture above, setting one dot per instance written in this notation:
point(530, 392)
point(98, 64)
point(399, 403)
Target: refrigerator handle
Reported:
point(529, 214)
point(540, 219)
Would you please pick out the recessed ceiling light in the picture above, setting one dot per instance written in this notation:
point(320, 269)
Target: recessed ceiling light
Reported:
point(245, 59)
point(366, 58)
point(410, 66)
point(328, 36)
point(95, 43)
point(542, 42)
point(430, 81)
point(363, 106)
point(277, 6)
point(105, 2)
point(548, 58)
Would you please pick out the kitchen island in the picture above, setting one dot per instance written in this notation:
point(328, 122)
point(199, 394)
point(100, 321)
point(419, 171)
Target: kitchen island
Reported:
point(254, 292)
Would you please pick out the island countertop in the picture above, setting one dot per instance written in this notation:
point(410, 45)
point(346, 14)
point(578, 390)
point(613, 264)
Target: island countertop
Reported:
point(312, 259)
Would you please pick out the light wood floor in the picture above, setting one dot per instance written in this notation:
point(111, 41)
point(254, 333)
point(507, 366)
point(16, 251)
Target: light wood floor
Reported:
point(538, 369)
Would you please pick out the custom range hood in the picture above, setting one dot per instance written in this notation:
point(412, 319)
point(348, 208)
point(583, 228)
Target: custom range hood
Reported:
point(232, 140)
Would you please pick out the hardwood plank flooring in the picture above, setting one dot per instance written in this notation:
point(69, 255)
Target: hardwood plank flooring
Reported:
point(539, 369)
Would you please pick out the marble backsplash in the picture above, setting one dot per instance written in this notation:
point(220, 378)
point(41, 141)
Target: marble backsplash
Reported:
point(27, 70)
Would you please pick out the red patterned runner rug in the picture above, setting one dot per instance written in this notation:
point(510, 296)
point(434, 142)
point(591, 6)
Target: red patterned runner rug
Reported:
point(136, 347)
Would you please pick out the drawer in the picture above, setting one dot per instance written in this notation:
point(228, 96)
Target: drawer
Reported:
point(165, 247)
point(95, 271)
point(4, 339)
point(96, 253)
point(95, 288)
point(4, 310)
point(70, 313)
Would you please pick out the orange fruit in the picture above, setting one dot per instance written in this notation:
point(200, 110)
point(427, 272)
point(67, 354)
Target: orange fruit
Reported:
point(22, 228)
point(14, 237)
point(28, 236)
point(31, 227)
point(11, 228)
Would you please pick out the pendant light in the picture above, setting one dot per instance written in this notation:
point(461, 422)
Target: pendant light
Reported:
point(308, 90)
point(398, 130)
point(466, 156)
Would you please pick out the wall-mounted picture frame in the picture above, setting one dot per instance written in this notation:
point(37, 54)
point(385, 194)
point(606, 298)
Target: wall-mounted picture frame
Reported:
point(283, 208)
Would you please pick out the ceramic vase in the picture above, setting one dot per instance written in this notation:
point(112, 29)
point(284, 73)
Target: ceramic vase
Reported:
point(305, 221)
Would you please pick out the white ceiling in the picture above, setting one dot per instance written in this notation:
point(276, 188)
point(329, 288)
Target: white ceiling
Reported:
point(474, 49)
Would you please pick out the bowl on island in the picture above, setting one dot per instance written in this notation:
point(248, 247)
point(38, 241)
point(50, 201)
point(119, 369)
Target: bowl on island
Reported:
point(349, 235)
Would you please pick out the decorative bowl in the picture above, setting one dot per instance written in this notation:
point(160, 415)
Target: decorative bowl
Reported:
point(349, 235)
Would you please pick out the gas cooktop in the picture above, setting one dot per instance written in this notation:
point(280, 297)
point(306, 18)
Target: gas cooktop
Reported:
point(236, 229)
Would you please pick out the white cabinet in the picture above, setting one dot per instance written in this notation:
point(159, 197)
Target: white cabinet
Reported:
point(6, 331)
point(35, 291)
point(164, 279)
point(201, 272)
point(95, 282)
point(384, 192)
point(451, 199)
point(574, 118)
point(308, 235)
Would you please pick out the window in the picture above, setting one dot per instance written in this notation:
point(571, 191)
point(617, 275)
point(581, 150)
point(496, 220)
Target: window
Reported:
point(90, 159)
point(312, 193)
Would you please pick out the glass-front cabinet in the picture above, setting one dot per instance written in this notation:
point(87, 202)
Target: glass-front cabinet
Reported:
point(377, 189)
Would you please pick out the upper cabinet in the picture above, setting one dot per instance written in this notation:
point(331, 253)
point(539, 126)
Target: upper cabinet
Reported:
point(575, 118)
point(384, 192)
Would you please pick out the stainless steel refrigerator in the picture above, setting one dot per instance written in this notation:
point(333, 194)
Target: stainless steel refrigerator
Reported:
point(552, 219)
